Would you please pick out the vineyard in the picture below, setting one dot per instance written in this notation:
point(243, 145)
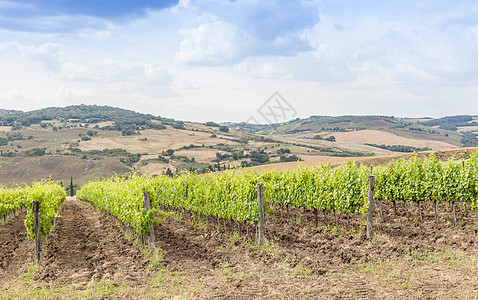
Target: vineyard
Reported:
point(232, 196)
point(47, 193)
point(199, 222)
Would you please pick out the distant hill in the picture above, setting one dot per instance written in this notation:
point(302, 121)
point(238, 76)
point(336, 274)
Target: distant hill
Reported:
point(8, 111)
point(454, 130)
point(452, 122)
point(90, 141)
point(123, 120)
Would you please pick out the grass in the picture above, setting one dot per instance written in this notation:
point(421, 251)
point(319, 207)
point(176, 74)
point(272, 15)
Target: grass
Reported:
point(298, 270)
point(26, 287)
point(416, 268)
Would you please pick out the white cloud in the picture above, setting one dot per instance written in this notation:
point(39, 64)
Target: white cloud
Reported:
point(210, 43)
point(229, 32)
point(49, 55)
point(216, 60)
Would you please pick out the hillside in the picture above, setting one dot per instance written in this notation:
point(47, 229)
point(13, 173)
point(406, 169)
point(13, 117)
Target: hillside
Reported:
point(91, 142)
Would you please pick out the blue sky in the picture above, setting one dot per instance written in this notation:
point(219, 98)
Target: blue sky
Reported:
point(221, 60)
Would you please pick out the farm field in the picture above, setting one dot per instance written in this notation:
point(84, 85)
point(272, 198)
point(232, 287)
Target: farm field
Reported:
point(384, 137)
point(24, 170)
point(88, 253)
point(115, 141)
point(372, 161)
point(89, 256)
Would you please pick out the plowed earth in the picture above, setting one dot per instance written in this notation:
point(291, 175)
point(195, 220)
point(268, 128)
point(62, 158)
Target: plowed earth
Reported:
point(407, 259)
point(15, 248)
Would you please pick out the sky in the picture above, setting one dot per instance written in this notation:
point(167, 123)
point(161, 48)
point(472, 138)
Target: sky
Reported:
point(245, 60)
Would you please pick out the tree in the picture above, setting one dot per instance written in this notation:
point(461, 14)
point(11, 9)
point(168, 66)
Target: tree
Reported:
point(469, 139)
point(169, 172)
point(212, 124)
point(330, 138)
point(71, 187)
point(169, 152)
point(223, 129)
point(259, 157)
point(283, 150)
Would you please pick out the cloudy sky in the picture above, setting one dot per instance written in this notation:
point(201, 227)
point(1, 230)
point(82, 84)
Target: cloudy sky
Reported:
point(220, 60)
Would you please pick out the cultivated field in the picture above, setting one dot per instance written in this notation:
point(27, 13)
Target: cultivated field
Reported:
point(89, 256)
point(387, 138)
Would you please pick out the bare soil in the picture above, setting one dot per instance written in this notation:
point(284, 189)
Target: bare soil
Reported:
point(382, 137)
point(87, 246)
point(407, 259)
point(15, 248)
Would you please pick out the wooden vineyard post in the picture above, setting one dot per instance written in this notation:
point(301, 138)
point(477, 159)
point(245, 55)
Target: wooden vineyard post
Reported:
point(454, 213)
point(316, 214)
point(371, 187)
point(420, 211)
point(147, 207)
point(336, 221)
point(260, 203)
point(381, 211)
point(36, 224)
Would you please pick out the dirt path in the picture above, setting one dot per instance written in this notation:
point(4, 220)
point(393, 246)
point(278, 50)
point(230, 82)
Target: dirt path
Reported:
point(15, 248)
point(87, 246)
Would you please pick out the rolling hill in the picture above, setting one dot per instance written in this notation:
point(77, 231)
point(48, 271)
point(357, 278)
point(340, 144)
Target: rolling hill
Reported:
point(92, 142)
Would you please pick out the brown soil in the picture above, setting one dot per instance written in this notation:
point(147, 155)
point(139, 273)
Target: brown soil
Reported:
point(87, 246)
point(333, 259)
point(406, 259)
point(15, 248)
point(382, 137)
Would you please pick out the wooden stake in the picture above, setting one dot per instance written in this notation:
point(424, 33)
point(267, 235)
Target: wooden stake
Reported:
point(36, 223)
point(260, 203)
point(436, 211)
point(336, 221)
point(406, 210)
point(316, 214)
point(420, 210)
point(147, 208)
point(381, 211)
point(394, 208)
point(371, 188)
point(454, 212)
point(476, 217)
